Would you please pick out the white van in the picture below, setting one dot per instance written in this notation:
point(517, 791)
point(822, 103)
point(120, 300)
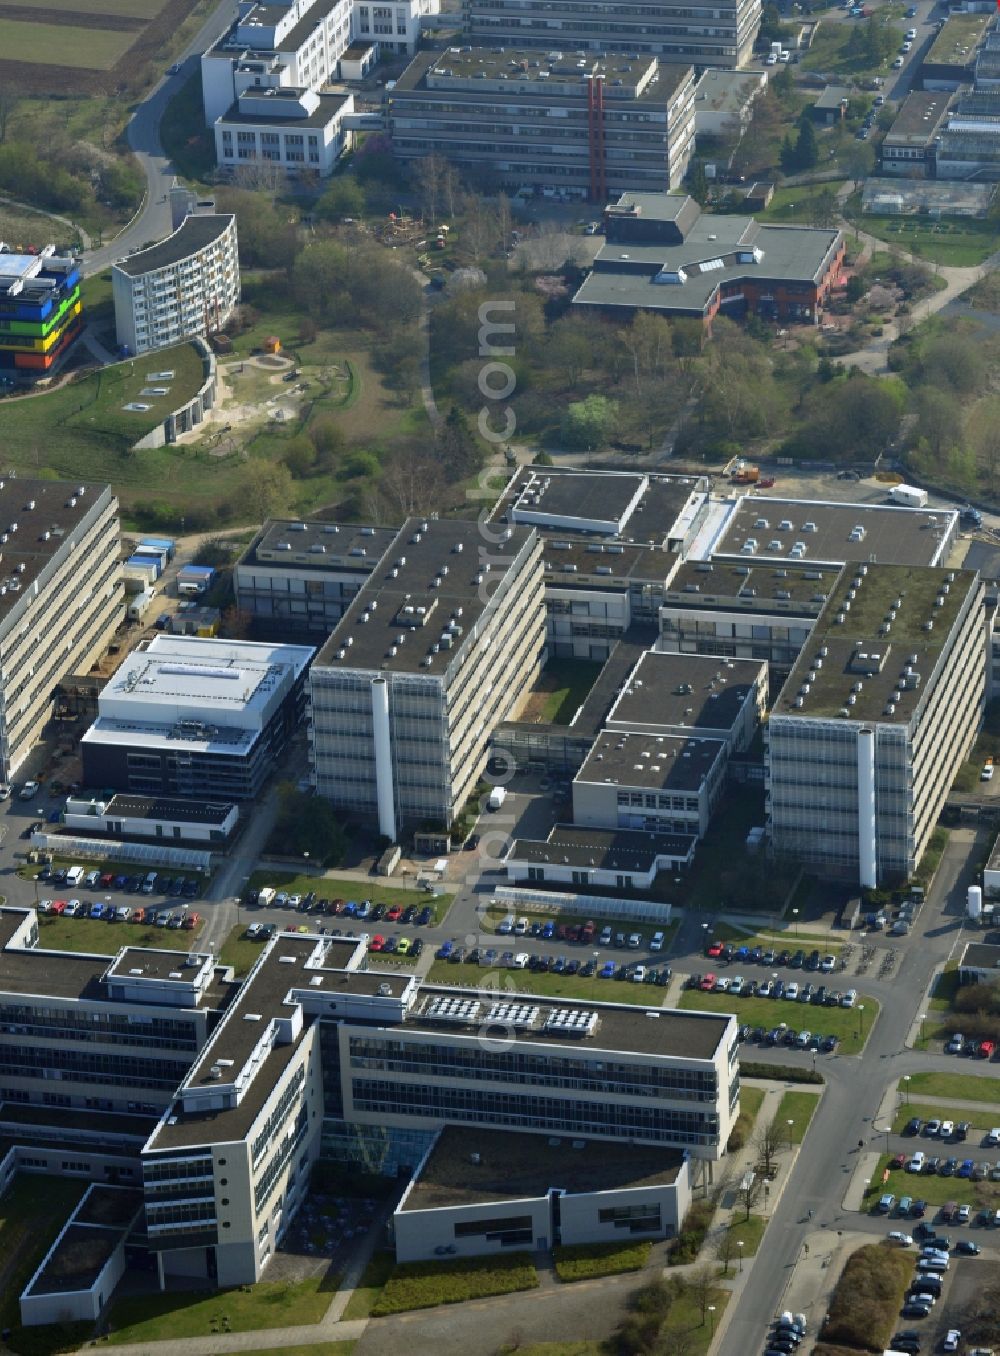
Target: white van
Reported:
point(265, 896)
point(506, 925)
point(149, 884)
point(75, 875)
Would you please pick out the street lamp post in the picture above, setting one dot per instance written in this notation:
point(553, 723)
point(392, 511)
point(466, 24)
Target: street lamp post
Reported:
point(711, 1319)
point(861, 1009)
point(795, 918)
point(739, 1244)
point(906, 1087)
point(790, 1124)
point(923, 1018)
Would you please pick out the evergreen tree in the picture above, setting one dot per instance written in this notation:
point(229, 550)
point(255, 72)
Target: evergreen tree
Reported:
point(698, 182)
point(787, 155)
point(806, 149)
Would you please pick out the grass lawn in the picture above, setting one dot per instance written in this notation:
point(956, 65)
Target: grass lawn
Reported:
point(829, 51)
point(749, 1232)
point(94, 936)
point(238, 951)
point(789, 939)
point(957, 1087)
point(795, 204)
point(300, 1349)
point(83, 429)
point(562, 687)
point(797, 1107)
point(750, 1100)
point(851, 1026)
point(93, 49)
point(551, 1349)
point(685, 1317)
point(328, 887)
point(960, 243)
point(423, 1285)
point(380, 1267)
point(945, 989)
point(121, 9)
point(934, 1190)
point(31, 1215)
point(600, 1259)
point(183, 134)
point(168, 1317)
point(552, 986)
point(979, 1120)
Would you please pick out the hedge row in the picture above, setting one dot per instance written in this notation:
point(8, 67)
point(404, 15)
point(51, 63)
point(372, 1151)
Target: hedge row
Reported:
point(600, 1259)
point(785, 1073)
point(865, 1305)
point(422, 1285)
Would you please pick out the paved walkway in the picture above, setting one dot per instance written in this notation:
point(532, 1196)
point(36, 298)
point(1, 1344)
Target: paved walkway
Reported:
point(96, 349)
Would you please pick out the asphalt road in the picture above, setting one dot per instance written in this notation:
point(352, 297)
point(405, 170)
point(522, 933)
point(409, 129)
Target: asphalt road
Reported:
point(152, 222)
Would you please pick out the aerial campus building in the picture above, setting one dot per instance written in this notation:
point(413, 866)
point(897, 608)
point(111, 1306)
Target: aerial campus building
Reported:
point(440, 644)
point(61, 598)
point(193, 716)
point(662, 254)
point(720, 34)
point(213, 1098)
point(876, 717)
point(187, 285)
point(564, 122)
point(41, 313)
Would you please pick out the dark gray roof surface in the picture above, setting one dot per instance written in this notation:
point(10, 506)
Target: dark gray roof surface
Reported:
point(193, 234)
point(657, 762)
point(696, 691)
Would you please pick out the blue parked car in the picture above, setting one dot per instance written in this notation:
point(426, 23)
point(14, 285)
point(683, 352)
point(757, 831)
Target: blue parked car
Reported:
point(548, 929)
point(120, 882)
point(351, 908)
point(445, 950)
point(742, 953)
point(607, 970)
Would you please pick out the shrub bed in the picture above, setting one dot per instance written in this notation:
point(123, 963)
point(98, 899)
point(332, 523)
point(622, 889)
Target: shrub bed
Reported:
point(600, 1259)
point(687, 1245)
point(784, 1073)
point(422, 1285)
point(866, 1302)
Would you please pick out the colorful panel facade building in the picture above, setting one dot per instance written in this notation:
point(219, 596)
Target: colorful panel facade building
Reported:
point(41, 313)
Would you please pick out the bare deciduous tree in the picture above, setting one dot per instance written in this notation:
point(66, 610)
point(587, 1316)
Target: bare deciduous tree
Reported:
point(766, 1143)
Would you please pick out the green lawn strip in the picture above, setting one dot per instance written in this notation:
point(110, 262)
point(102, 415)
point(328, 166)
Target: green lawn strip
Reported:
point(979, 1120)
point(750, 1100)
point(960, 244)
point(552, 986)
point(96, 937)
point(589, 1260)
point(302, 1349)
point(550, 1349)
point(238, 951)
point(183, 135)
point(31, 1214)
point(749, 1232)
point(851, 1026)
point(933, 1189)
point(326, 887)
point(745, 934)
point(797, 1107)
point(380, 1267)
point(570, 681)
point(423, 1285)
point(30, 870)
point(685, 1318)
point(957, 1087)
point(175, 1315)
point(945, 989)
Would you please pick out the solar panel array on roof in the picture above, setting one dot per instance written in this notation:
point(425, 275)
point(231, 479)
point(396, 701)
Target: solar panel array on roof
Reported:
point(444, 1009)
point(515, 1016)
point(571, 1022)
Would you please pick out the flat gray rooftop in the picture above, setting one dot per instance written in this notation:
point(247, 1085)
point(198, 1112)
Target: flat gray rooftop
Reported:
point(625, 850)
point(193, 234)
point(889, 535)
point(981, 956)
point(920, 114)
point(513, 1166)
point(623, 1027)
point(433, 564)
point(571, 562)
point(168, 808)
point(659, 503)
point(77, 1260)
point(152, 963)
point(287, 543)
point(854, 654)
point(38, 518)
point(677, 690)
point(655, 762)
point(751, 586)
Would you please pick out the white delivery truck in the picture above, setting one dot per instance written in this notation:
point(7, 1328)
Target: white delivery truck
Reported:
point(497, 797)
point(908, 495)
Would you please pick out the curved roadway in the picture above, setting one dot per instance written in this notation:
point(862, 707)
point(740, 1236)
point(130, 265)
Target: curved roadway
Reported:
point(152, 221)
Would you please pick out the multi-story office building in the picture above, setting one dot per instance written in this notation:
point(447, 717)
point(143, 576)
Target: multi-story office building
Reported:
point(41, 313)
point(437, 648)
point(188, 284)
point(660, 783)
point(908, 146)
point(393, 27)
point(217, 1097)
point(678, 261)
point(61, 598)
point(299, 42)
point(192, 716)
point(584, 124)
point(294, 128)
point(875, 719)
point(297, 579)
point(720, 34)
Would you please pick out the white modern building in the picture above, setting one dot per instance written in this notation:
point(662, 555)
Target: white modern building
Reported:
point(395, 27)
point(188, 284)
point(658, 783)
point(151, 818)
point(693, 696)
point(62, 597)
point(439, 646)
point(196, 717)
point(294, 128)
point(875, 719)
